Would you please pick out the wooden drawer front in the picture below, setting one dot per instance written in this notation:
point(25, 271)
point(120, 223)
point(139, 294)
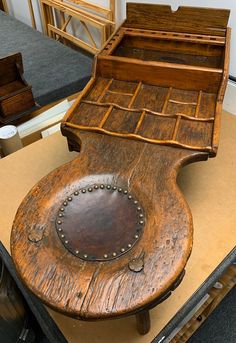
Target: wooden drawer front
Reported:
point(17, 103)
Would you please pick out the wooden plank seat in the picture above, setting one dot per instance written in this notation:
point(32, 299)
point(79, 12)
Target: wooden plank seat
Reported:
point(113, 223)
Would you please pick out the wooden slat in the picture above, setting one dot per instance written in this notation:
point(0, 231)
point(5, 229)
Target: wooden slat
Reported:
point(31, 10)
point(177, 36)
point(94, 7)
point(113, 9)
point(185, 19)
point(74, 13)
point(159, 114)
point(82, 12)
point(105, 90)
point(140, 122)
point(221, 92)
point(166, 101)
point(176, 129)
point(120, 93)
point(73, 39)
point(88, 33)
point(112, 44)
point(160, 73)
point(136, 93)
point(104, 119)
point(66, 23)
point(139, 137)
point(198, 103)
point(183, 102)
point(5, 6)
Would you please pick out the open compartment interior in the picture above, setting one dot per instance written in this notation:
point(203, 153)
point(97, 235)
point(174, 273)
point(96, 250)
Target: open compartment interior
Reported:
point(150, 113)
point(171, 51)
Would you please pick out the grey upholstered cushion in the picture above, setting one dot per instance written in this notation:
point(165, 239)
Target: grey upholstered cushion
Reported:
point(54, 70)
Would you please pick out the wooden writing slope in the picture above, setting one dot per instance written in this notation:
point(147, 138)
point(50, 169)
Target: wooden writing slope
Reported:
point(109, 234)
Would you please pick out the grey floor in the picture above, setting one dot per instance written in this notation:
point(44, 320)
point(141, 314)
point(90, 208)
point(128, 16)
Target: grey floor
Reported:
point(220, 327)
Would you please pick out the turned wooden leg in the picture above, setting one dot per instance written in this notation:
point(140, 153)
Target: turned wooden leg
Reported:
point(143, 322)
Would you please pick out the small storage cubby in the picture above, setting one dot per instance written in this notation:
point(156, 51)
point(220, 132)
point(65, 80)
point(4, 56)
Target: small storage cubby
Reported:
point(161, 49)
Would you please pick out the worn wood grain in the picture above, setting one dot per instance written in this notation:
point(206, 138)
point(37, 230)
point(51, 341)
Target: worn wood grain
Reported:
point(185, 19)
point(152, 106)
point(166, 248)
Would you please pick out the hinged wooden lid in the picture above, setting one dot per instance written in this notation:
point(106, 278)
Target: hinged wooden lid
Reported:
point(207, 21)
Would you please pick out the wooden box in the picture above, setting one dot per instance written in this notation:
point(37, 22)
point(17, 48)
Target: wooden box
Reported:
point(167, 78)
point(16, 96)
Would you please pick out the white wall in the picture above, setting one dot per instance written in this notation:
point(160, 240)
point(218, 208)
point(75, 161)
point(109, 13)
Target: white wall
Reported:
point(20, 10)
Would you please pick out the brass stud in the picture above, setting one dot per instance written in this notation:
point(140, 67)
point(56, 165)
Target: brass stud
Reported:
point(125, 192)
point(77, 252)
point(139, 208)
point(105, 256)
point(60, 214)
point(62, 236)
point(90, 189)
point(85, 256)
point(136, 236)
point(114, 254)
point(83, 190)
point(130, 197)
point(114, 188)
point(59, 229)
point(65, 203)
point(129, 245)
point(76, 193)
point(59, 222)
point(122, 250)
point(69, 199)
point(95, 186)
point(61, 209)
point(108, 186)
point(66, 242)
point(141, 215)
point(135, 202)
point(141, 222)
point(119, 189)
point(101, 186)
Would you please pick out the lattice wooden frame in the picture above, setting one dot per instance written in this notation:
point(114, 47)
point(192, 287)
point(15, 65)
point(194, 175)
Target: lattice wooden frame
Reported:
point(103, 21)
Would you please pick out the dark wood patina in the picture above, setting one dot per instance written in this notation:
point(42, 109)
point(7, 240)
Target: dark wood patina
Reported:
point(109, 234)
point(16, 98)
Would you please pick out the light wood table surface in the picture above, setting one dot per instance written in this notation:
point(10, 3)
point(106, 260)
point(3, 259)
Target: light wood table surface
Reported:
point(209, 188)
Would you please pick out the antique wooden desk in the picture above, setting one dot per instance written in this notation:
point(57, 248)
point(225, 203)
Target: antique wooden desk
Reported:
point(210, 189)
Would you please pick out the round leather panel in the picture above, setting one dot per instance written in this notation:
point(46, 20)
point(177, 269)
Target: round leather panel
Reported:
point(100, 223)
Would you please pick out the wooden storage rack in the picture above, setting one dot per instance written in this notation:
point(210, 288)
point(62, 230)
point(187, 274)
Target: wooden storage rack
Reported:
point(89, 15)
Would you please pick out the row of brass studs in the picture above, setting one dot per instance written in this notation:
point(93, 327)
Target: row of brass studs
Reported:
point(90, 189)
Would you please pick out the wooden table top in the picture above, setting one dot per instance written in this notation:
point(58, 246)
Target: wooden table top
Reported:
point(209, 188)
